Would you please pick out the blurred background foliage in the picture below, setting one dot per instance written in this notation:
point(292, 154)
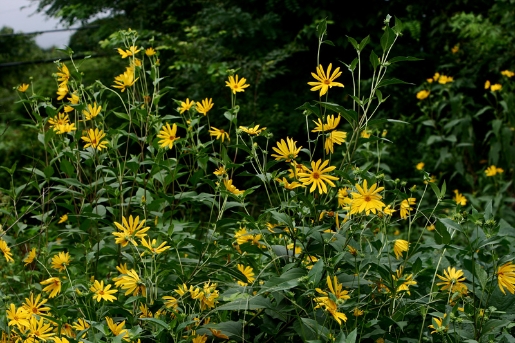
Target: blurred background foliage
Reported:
point(458, 131)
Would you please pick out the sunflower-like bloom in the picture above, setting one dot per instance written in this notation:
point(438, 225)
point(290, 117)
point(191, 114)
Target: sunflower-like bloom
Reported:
point(199, 339)
point(74, 98)
point(132, 283)
point(170, 302)
point(23, 87)
point(493, 170)
point(80, 325)
point(117, 329)
point(150, 52)
point(231, 188)
point(330, 306)
point(94, 138)
point(290, 186)
point(406, 207)
point(38, 330)
point(496, 87)
point(335, 288)
point(63, 219)
point(367, 199)
point(318, 176)
point(30, 257)
point(219, 133)
point(399, 247)
point(60, 261)
point(92, 111)
point(388, 210)
point(249, 274)
point(443, 79)
point(62, 339)
point(331, 124)
point(65, 128)
point(185, 106)
point(168, 135)
point(253, 131)
point(420, 165)
point(506, 277)
point(153, 247)
point(133, 50)
point(18, 317)
point(324, 81)
point(125, 80)
point(439, 327)
point(408, 280)
point(487, 84)
point(205, 106)
point(63, 75)
point(53, 286)
point(452, 281)
point(218, 333)
point(220, 171)
point(6, 251)
point(236, 85)
point(101, 292)
point(334, 137)
point(130, 230)
point(296, 169)
point(459, 199)
point(423, 94)
point(286, 150)
point(343, 197)
point(62, 91)
point(35, 306)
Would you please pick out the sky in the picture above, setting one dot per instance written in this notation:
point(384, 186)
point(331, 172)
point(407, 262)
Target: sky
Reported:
point(21, 16)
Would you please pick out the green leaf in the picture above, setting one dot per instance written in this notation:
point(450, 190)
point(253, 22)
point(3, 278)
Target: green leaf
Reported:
point(488, 210)
point(328, 42)
point(309, 109)
point(442, 236)
point(435, 189)
point(351, 338)
point(354, 43)
point(67, 168)
point(254, 303)
point(315, 274)
point(121, 115)
point(321, 29)
point(374, 60)
point(364, 43)
point(481, 274)
point(404, 58)
point(387, 39)
point(155, 321)
point(387, 82)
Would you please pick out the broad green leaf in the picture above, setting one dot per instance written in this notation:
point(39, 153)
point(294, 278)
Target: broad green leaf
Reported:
point(374, 60)
point(364, 43)
point(387, 82)
point(254, 303)
point(354, 43)
point(442, 236)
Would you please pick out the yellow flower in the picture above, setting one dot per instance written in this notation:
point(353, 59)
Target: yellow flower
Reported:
point(219, 133)
point(23, 87)
point(60, 261)
point(430, 80)
point(170, 302)
point(493, 88)
point(399, 247)
point(168, 135)
point(367, 199)
point(35, 306)
point(231, 188)
point(493, 170)
point(388, 210)
point(318, 176)
point(39, 330)
point(443, 79)
point(94, 138)
point(406, 207)
point(235, 85)
point(452, 280)
point(487, 84)
point(507, 73)
point(408, 280)
point(63, 75)
point(74, 99)
point(63, 219)
point(132, 283)
point(423, 94)
point(60, 340)
point(64, 128)
point(420, 165)
point(199, 339)
point(117, 329)
point(92, 111)
point(252, 130)
point(185, 106)
point(331, 124)
point(431, 227)
point(133, 50)
point(125, 80)
point(287, 185)
point(335, 288)
point(337, 137)
point(249, 274)
point(205, 106)
point(343, 197)
point(220, 171)
point(18, 317)
point(62, 91)
point(80, 325)
point(182, 289)
point(365, 134)
point(455, 49)
point(54, 286)
point(242, 236)
point(459, 198)
point(330, 306)
point(506, 277)
point(150, 52)
point(153, 247)
point(101, 292)
point(296, 169)
point(6, 250)
point(324, 81)
point(130, 230)
point(352, 250)
point(30, 257)
point(439, 328)
point(357, 312)
point(218, 334)
point(286, 150)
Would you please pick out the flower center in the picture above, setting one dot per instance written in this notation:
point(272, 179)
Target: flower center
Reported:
point(171, 138)
point(101, 292)
point(327, 82)
point(316, 175)
point(368, 198)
